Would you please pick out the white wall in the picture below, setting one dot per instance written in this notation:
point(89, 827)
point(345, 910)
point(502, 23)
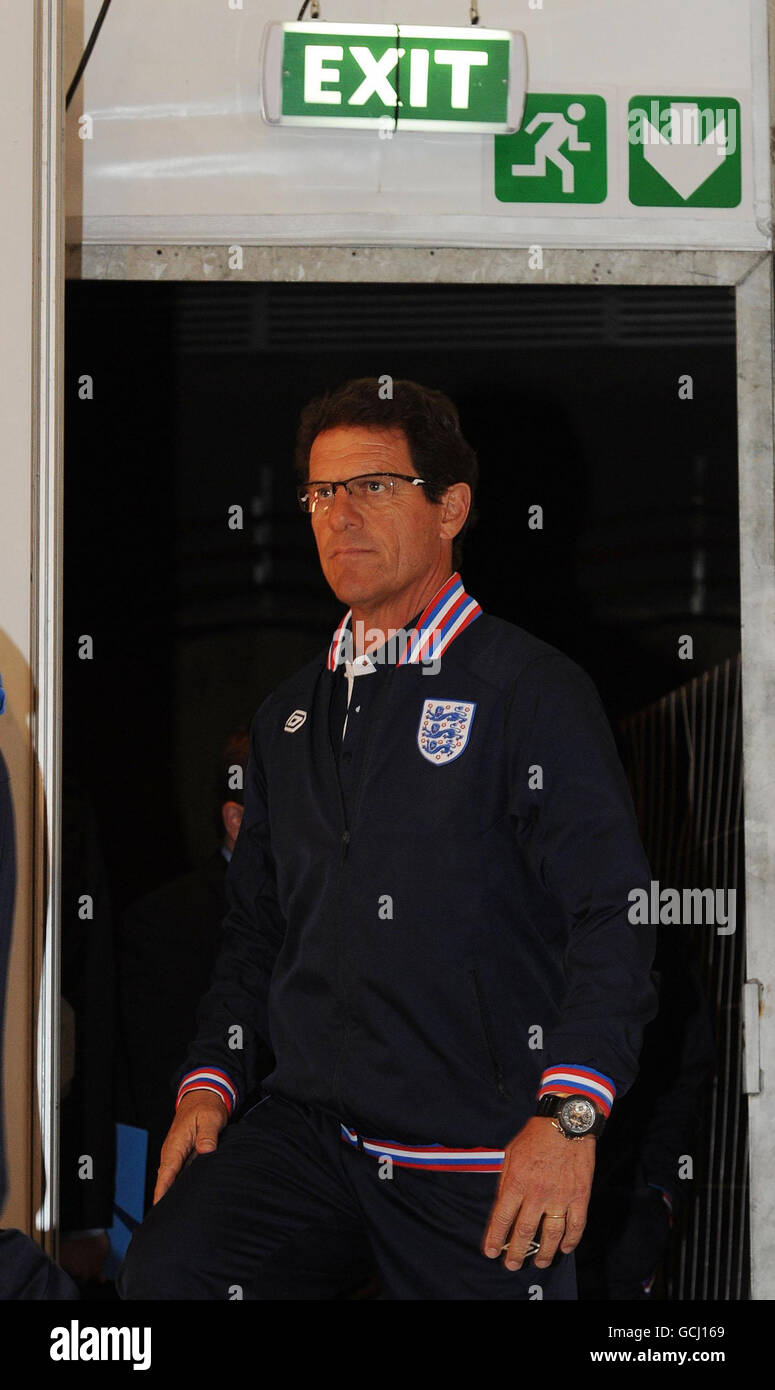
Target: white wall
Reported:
point(180, 153)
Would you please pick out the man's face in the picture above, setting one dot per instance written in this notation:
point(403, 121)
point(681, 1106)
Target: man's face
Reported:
point(369, 555)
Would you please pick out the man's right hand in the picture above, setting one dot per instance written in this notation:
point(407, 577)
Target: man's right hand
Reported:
point(199, 1119)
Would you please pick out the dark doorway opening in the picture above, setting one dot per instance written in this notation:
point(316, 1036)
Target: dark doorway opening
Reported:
point(611, 409)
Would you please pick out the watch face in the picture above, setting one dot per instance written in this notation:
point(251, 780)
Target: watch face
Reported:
point(577, 1115)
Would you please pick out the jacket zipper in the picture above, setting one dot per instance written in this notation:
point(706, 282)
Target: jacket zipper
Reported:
point(345, 838)
point(344, 842)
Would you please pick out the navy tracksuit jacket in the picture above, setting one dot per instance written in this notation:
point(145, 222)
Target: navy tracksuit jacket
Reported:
point(428, 920)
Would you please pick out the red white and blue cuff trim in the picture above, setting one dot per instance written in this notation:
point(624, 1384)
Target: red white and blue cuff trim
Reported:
point(209, 1079)
point(582, 1081)
point(435, 1158)
point(442, 620)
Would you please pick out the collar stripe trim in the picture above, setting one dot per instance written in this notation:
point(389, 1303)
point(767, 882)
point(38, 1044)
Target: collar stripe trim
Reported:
point(335, 650)
point(460, 620)
point(432, 1157)
point(447, 615)
point(438, 616)
point(437, 631)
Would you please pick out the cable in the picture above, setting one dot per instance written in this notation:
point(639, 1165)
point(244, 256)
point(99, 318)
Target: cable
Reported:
point(87, 52)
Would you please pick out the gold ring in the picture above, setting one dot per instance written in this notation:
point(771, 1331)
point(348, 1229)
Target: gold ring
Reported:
point(554, 1218)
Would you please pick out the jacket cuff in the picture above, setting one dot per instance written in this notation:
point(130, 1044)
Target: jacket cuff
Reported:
point(209, 1079)
point(583, 1081)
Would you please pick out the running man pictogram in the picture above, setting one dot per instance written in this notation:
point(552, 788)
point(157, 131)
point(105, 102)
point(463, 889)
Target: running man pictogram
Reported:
point(560, 131)
point(558, 155)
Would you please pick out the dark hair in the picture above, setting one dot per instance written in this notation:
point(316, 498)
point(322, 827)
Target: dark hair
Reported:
point(427, 418)
point(233, 754)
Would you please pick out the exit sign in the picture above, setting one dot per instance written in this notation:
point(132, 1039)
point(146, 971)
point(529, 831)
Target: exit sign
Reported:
point(393, 77)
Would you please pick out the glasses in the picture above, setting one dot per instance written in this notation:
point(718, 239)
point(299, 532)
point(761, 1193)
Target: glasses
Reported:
point(367, 489)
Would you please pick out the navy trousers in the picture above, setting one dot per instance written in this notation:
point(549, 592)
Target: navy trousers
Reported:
point(284, 1209)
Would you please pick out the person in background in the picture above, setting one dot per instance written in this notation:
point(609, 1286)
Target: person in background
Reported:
point(26, 1272)
point(637, 1190)
point(169, 941)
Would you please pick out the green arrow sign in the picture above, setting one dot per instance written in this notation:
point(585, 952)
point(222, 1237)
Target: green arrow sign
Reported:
point(393, 76)
point(684, 151)
point(558, 156)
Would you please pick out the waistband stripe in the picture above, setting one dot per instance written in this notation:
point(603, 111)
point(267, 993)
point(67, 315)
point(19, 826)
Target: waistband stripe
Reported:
point(433, 1157)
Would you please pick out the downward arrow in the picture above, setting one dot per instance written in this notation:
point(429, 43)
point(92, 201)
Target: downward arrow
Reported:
point(685, 165)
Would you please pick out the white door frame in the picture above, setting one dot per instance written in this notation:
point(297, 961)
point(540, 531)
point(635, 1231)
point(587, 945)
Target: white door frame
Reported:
point(31, 355)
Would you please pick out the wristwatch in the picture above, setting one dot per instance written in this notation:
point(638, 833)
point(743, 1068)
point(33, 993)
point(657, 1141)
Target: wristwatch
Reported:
point(575, 1116)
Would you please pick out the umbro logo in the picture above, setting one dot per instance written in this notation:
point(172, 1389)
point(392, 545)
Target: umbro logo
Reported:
point(295, 721)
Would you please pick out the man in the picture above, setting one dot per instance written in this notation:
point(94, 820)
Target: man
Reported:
point(428, 923)
point(637, 1191)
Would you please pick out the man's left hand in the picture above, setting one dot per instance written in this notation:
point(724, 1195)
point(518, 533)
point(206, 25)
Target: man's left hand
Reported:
point(545, 1182)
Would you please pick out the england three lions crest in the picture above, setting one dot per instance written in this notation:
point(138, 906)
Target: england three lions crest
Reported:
point(444, 729)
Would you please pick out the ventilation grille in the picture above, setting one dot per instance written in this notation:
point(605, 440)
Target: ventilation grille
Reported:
point(684, 759)
point(229, 318)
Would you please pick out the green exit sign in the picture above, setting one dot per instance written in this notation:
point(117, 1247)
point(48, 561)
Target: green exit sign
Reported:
point(393, 77)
